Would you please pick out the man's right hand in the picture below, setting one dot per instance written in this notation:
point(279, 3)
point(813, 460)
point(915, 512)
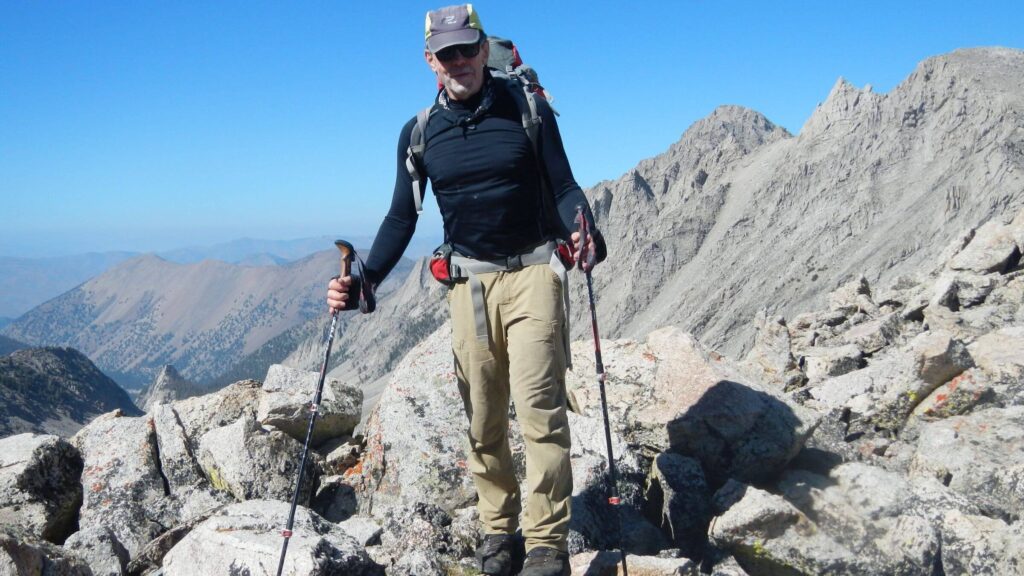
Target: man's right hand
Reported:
point(338, 297)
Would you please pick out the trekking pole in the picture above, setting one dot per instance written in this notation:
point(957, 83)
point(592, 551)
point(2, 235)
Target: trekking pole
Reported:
point(346, 264)
point(588, 256)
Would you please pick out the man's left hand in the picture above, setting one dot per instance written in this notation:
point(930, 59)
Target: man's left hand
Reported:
point(576, 251)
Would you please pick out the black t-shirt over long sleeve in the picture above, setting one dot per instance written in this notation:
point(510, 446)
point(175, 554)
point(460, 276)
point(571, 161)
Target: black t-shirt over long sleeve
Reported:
point(486, 180)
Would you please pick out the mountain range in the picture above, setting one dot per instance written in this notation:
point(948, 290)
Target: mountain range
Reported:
point(27, 282)
point(202, 318)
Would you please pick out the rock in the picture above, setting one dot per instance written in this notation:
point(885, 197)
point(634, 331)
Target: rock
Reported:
point(286, 397)
point(958, 396)
point(771, 357)
point(152, 556)
point(873, 335)
point(672, 395)
point(846, 298)
point(40, 488)
point(821, 362)
point(122, 485)
point(768, 535)
point(934, 358)
point(416, 436)
point(191, 494)
point(364, 529)
point(991, 250)
point(678, 496)
point(891, 524)
point(609, 563)
point(979, 455)
point(100, 549)
point(198, 415)
point(974, 544)
point(593, 519)
point(1000, 356)
point(973, 289)
point(245, 538)
point(252, 463)
point(335, 500)
point(417, 540)
point(938, 357)
point(22, 555)
point(342, 453)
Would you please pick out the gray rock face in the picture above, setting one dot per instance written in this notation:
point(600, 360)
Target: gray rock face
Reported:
point(100, 549)
point(980, 455)
point(974, 544)
point(891, 524)
point(40, 490)
point(678, 484)
point(738, 209)
point(252, 463)
point(191, 494)
point(200, 415)
point(686, 399)
point(286, 398)
point(21, 555)
point(768, 535)
point(415, 438)
point(245, 538)
point(121, 482)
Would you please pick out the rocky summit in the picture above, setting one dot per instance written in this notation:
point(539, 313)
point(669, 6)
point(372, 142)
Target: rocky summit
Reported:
point(816, 366)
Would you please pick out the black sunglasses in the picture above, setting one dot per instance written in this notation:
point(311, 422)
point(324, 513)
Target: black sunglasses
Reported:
point(451, 53)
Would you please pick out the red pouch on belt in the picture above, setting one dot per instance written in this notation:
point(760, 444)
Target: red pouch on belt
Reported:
point(565, 254)
point(441, 265)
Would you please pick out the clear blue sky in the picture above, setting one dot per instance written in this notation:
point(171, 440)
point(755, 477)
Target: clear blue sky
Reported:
point(159, 124)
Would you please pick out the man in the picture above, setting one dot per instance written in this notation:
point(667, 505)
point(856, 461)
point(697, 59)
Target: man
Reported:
point(508, 318)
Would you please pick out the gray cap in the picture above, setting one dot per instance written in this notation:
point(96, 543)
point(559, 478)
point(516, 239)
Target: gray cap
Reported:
point(453, 25)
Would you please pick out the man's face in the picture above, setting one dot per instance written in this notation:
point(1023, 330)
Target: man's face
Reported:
point(461, 77)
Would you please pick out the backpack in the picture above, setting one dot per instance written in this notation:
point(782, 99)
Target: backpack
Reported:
point(506, 65)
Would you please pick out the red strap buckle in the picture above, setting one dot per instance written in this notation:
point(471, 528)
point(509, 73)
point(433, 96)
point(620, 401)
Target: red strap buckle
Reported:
point(614, 501)
point(286, 533)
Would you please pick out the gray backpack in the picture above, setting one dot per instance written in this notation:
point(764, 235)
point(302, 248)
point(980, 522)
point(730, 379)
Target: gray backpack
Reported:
point(505, 65)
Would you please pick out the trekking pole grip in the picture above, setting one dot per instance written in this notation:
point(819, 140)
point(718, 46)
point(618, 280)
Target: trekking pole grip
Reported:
point(346, 250)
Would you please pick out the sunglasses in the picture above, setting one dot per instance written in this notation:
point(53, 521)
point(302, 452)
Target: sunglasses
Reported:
point(451, 53)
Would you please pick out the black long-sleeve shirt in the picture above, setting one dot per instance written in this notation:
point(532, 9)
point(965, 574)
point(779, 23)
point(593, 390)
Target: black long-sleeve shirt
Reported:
point(486, 180)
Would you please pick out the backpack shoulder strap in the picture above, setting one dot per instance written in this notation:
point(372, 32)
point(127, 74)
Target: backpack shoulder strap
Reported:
point(527, 103)
point(414, 156)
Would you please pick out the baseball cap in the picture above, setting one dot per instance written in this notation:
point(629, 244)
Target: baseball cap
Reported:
point(453, 25)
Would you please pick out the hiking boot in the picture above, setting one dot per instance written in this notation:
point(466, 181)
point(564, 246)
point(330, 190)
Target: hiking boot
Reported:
point(495, 554)
point(546, 561)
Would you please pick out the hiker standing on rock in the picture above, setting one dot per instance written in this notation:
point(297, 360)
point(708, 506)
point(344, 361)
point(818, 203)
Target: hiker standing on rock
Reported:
point(507, 196)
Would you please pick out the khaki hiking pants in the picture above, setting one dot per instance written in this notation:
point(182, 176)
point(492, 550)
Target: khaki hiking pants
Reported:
point(524, 358)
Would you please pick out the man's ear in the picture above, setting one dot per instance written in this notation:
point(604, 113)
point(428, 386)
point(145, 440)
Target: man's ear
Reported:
point(431, 60)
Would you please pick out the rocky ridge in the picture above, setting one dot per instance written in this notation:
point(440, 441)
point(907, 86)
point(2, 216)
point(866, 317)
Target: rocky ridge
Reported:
point(874, 184)
point(55, 391)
